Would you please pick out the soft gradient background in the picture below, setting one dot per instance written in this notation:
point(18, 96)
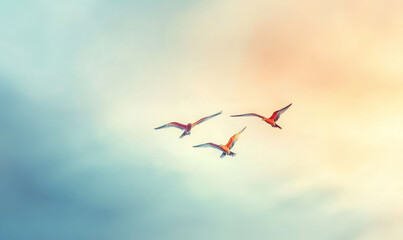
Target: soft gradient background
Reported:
point(84, 82)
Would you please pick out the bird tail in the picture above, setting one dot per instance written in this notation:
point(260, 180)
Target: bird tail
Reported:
point(232, 154)
point(278, 126)
point(183, 134)
point(223, 155)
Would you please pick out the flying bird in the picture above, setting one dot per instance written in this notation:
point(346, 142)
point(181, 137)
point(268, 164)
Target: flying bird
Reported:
point(186, 128)
point(271, 120)
point(226, 149)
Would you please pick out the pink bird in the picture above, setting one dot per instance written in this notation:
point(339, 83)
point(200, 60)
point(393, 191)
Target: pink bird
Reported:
point(187, 127)
point(226, 149)
point(271, 120)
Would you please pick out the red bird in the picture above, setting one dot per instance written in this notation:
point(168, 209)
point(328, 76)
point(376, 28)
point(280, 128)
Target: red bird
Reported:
point(226, 149)
point(271, 120)
point(187, 127)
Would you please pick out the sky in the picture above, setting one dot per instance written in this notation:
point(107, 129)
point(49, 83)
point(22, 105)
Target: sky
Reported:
point(84, 83)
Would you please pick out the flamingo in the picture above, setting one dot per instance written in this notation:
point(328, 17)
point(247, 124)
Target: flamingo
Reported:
point(226, 149)
point(271, 120)
point(188, 126)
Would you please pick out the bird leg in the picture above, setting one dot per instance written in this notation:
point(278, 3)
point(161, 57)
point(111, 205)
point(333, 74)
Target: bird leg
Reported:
point(223, 155)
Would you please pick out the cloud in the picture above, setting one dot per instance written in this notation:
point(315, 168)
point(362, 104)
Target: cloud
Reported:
point(83, 89)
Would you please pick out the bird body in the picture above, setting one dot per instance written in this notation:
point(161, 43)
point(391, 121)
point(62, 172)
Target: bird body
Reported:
point(226, 149)
point(188, 127)
point(271, 120)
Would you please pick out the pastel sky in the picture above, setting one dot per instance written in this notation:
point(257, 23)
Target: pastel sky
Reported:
point(83, 83)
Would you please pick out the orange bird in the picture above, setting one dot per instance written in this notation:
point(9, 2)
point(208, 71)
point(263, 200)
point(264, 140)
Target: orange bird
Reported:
point(271, 120)
point(226, 149)
point(188, 126)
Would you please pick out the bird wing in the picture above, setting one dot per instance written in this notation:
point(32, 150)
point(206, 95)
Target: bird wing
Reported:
point(248, 115)
point(276, 114)
point(234, 138)
point(172, 124)
point(205, 119)
point(211, 145)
